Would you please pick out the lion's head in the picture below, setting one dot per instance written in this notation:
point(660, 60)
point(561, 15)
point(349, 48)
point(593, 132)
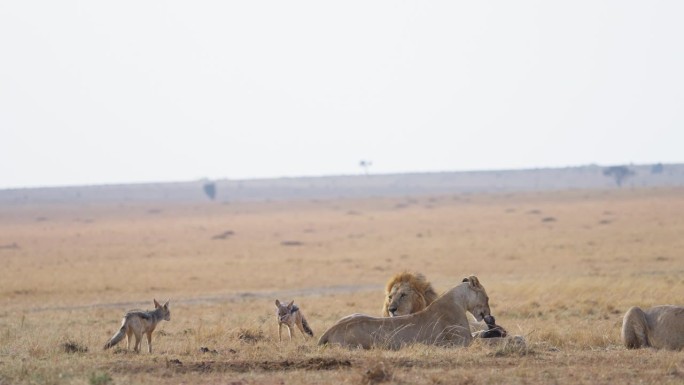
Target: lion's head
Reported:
point(477, 300)
point(407, 293)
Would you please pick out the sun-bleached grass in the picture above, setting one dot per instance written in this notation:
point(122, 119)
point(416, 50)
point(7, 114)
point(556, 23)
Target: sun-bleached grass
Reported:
point(563, 284)
point(178, 357)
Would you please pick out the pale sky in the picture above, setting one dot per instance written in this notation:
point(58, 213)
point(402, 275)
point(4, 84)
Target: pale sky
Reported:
point(95, 92)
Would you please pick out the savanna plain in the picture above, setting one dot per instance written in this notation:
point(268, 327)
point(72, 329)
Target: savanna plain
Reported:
point(560, 268)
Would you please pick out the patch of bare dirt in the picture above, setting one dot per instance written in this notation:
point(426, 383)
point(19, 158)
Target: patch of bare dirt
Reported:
point(292, 243)
point(9, 246)
point(317, 363)
point(224, 235)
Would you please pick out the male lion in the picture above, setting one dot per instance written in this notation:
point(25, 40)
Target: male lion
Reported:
point(407, 293)
point(658, 327)
point(443, 322)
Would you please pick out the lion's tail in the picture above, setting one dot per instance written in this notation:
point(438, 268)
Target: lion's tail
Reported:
point(635, 329)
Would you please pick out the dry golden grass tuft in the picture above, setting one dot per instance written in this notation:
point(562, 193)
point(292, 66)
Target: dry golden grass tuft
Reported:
point(377, 371)
point(562, 284)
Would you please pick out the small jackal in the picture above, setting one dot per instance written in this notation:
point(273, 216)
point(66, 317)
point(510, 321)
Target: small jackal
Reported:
point(137, 322)
point(290, 315)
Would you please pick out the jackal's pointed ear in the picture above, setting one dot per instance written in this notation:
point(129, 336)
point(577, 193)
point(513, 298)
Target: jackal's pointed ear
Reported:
point(166, 304)
point(156, 304)
point(278, 303)
point(289, 305)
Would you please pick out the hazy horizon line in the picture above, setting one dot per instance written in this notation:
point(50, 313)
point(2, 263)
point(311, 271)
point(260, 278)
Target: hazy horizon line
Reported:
point(360, 174)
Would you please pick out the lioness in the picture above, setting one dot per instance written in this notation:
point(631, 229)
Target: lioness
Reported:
point(444, 322)
point(407, 293)
point(658, 327)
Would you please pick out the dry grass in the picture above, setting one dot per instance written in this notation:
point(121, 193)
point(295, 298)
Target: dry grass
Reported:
point(72, 271)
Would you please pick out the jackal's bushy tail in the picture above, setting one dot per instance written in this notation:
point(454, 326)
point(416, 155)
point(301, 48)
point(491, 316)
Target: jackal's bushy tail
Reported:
point(116, 338)
point(306, 327)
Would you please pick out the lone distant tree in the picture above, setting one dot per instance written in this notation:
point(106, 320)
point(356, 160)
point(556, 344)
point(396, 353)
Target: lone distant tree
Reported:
point(619, 173)
point(210, 190)
point(365, 164)
point(657, 168)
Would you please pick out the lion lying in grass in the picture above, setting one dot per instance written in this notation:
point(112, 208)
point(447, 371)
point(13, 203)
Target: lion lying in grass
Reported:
point(443, 322)
point(660, 327)
point(407, 293)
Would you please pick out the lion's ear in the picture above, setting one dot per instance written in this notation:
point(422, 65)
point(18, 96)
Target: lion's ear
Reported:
point(465, 279)
point(474, 282)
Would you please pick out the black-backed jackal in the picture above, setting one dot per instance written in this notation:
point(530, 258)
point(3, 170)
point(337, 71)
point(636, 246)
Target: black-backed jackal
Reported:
point(290, 315)
point(137, 322)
